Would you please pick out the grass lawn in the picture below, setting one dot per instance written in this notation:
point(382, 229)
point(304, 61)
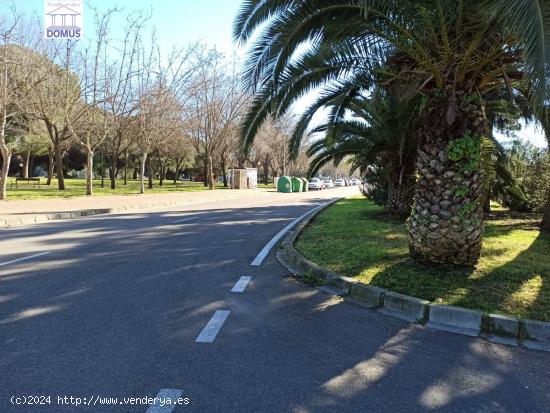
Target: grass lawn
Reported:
point(77, 187)
point(355, 238)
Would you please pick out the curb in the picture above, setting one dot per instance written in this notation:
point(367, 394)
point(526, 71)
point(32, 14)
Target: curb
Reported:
point(496, 328)
point(41, 218)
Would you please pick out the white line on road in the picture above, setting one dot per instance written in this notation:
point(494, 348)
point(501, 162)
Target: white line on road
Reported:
point(24, 258)
point(161, 404)
point(183, 220)
point(211, 330)
point(265, 250)
point(241, 284)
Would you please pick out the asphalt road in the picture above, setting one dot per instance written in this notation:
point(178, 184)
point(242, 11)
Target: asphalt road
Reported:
point(115, 305)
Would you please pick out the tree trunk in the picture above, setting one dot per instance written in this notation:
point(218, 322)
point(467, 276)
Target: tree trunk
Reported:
point(26, 162)
point(150, 174)
point(546, 212)
point(211, 174)
point(126, 169)
point(225, 180)
point(59, 168)
point(400, 197)
point(446, 223)
point(142, 175)
point(112, 172)
point(266, 172)
point(205, 169)
point(89, 172)
point(177, 174)
point(6, 159)
point(51, 165)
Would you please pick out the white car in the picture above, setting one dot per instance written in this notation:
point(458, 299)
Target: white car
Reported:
point(316, 184)
point(356, 181)
point(339, 182)
point(328, 183)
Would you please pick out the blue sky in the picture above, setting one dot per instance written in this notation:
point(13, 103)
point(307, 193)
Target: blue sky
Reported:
point(179, 22)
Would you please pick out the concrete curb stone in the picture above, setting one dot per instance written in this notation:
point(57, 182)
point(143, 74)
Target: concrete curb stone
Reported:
point(455, 319)
point(405, 307)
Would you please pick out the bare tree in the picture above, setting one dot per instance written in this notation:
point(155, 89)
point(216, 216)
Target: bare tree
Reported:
point(13, 78)
point(216, 105)
point(86, 115)
point(161, 89)
point(122, 103)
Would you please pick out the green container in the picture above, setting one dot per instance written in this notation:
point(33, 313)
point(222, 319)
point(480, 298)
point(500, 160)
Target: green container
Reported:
point(306, 183)
point(297, 185)
point(284, 184)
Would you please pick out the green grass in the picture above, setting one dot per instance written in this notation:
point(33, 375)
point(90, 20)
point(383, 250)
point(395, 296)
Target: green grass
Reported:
point(77, 187)
point(355, 238)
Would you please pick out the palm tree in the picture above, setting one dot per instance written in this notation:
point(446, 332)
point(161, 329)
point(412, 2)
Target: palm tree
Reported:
point(377, 131)
point(451, 52)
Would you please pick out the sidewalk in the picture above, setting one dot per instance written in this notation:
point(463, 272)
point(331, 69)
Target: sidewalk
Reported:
point(17, 213)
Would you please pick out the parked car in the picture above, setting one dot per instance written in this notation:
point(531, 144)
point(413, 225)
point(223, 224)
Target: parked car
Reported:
point(328, 183)
point(340, 182)
point(356, 181)
point(316, 184)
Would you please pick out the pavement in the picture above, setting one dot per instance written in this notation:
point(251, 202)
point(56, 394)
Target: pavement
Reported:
point(24, 212)
point(140, 305)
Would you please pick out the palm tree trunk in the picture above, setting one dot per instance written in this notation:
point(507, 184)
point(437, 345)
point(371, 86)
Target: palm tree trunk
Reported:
point(400, 197)
point(446, 223)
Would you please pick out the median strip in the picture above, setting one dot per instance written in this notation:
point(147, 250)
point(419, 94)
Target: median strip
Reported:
point(211, 330)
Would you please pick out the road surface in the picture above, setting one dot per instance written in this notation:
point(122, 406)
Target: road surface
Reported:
point(165, 304)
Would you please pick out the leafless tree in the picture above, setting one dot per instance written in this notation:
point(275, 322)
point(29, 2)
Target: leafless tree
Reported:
point(86, 115)
point(14, 67)
point(216, 105)
point(122, 103)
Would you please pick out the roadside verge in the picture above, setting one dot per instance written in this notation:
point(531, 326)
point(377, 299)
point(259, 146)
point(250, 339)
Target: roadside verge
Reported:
point(494, 327)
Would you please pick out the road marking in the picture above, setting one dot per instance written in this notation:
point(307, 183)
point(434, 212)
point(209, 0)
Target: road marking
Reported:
point(183, 220)
point(241, 284)
point(211, 330)
point(265, 250)
point(160, 405)
point(24, 258)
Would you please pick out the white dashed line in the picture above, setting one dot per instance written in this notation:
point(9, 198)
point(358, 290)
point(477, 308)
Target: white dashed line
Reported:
point(241, 284)
point(162, 404)
point(265, 250)
point(209, 333)
point(24, 258)
point(183, 220)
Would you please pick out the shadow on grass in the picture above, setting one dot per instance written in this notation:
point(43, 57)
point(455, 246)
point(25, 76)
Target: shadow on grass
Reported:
point(355, 239)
